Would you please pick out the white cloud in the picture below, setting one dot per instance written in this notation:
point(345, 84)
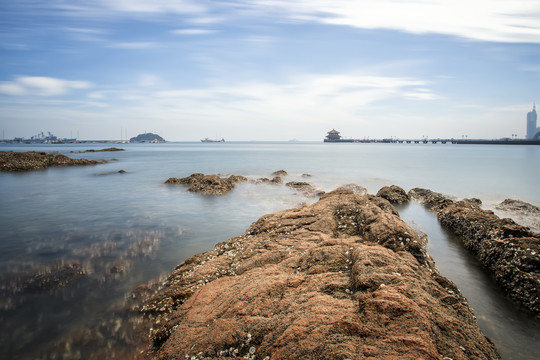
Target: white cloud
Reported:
point(194, 31)
point(40, 86)
point(486, 20)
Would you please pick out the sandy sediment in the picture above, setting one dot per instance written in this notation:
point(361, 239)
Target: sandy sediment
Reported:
point(342, 278)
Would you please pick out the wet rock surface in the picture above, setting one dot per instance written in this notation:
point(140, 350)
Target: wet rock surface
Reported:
point(100, 150)
point(519, 207)
point(208, 184)
point(34, 160)
point(394, 194)
point(511, 252)
point(342, 278)
point(305, 188)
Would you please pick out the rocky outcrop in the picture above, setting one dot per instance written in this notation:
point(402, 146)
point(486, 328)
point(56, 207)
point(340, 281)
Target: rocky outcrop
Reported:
point(274, 180)
point(35, 160)
point(208, 184)
point(394, 194)
point(518, 207)
point(280, 173)
point(305, 188)
point(508, 250)
point(343, 278)
point(100, 150)
point(356, 189)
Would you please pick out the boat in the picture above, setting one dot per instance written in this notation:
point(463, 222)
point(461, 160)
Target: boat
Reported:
point(210, 140)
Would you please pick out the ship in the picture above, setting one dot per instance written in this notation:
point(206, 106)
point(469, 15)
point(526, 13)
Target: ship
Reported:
point(212, 141)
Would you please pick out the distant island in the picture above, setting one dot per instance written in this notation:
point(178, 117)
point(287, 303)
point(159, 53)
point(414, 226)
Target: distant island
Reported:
point(147, 137)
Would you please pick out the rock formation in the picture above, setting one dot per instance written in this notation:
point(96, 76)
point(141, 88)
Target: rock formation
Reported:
point(343, 278)
point(508, 250)
point(394, 194)
point(208, 184)
point(306, 188)
point(101, 150)
point(34, 160)
point(518, 207)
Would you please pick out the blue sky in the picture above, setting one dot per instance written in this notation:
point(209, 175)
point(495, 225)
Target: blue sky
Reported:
point(268, 69)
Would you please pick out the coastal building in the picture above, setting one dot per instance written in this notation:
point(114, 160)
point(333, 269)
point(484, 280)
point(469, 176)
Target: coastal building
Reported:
point(533, 132)
point(333, 135)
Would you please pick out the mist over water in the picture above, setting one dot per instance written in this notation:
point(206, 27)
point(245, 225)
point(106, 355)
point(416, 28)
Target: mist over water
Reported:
point(107, 232)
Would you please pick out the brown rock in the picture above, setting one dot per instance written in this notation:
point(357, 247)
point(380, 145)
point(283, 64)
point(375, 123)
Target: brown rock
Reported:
point(34, 160)
point(280, 173)
point(394, 194)
point(342, 278)
point(208, 184)
point(306, 188)
point(518, 207)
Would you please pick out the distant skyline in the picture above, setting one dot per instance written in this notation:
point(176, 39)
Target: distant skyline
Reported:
point(268, 69)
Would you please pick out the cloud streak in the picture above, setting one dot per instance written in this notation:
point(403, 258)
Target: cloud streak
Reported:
point(492, 21)
point(40, 86)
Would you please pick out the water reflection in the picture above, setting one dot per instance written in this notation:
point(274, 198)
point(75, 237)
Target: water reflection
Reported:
point(56, 309)
point(515, 332)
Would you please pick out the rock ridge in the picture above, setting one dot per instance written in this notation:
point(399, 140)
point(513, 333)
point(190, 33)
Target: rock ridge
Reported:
point(34, 160)
point(342, 278)
point(511, 252)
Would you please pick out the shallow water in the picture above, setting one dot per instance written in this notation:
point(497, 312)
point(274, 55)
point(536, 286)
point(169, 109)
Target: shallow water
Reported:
point(126, 229)
point(515, 332)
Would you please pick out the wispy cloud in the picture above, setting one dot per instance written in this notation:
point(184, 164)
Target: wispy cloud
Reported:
point(194, 31)
point(40, 86)
point(134, 45)
point(493, 20)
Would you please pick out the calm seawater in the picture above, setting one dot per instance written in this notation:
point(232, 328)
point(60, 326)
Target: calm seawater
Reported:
point(123, 230)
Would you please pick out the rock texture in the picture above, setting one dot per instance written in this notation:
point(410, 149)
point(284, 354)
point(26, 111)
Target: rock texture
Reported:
point(519, 207)
point(34, 160)
point(208, 184)
point(344, 278)
point(394, 194)
point(511, 252)
point(101, 150)
point(306, 188)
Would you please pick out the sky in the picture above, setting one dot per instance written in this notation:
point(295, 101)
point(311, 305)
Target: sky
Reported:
point(268, 70)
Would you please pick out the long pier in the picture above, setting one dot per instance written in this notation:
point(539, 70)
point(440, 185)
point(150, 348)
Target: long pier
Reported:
point(443, 141)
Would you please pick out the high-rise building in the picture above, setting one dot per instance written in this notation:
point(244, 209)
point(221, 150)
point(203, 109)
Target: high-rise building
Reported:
point(532, 131)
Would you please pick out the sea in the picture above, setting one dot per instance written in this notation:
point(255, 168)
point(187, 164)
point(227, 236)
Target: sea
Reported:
point(76, 241)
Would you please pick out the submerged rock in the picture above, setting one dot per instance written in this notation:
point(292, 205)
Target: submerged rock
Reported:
point(356, 189)
point(518, 207)
point(306, 188)
point(280, 173)
point(34, 160)
point(394, 194)
point(208, 184)
point(100, 150)
point(342, 278)
point(510, 252)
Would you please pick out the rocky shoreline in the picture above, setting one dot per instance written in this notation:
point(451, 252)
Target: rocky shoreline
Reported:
point(508, 250)
point(34, 160)
point(342, 278)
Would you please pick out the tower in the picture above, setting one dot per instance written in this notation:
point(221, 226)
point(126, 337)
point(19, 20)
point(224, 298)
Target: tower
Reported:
point(531, 123)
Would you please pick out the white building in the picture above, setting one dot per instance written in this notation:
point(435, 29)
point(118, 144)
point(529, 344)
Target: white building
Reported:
point(533, 132)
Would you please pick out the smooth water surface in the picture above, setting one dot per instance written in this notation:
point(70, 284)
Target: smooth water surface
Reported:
point(122, 230)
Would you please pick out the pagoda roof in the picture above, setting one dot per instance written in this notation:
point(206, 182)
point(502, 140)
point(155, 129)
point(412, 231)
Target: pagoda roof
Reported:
point(333, 131)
